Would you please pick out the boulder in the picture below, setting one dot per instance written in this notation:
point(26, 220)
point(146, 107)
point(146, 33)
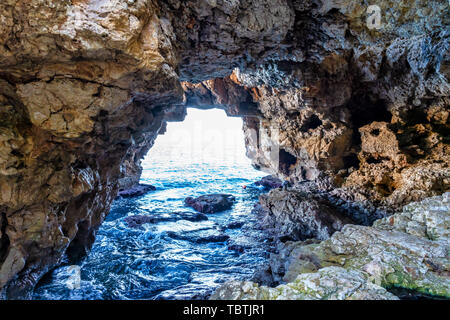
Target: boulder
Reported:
point(136, 221)
point(211, 203)
point(408, 251)
point(293, 215)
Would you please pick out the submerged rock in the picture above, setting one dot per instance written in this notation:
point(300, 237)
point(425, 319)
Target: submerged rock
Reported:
point(234, 225)
point(136, 191)
point(199, 239)
point(269, 182)
point(332, 283)
point(137, 221)
point(211, 203)
point(293, 215)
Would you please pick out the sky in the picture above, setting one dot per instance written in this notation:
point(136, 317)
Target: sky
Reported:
point(204, 136)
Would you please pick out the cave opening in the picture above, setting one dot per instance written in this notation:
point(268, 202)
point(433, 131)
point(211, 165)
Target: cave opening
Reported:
point(153, 246)
point(286, 161)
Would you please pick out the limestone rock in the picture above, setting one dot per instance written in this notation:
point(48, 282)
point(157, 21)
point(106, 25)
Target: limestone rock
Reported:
point(211, 203)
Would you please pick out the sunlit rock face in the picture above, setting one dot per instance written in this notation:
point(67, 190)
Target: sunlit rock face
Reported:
point(86, 86)
point(407, 250)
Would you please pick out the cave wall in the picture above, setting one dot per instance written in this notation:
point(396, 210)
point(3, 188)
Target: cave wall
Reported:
point(86, 86)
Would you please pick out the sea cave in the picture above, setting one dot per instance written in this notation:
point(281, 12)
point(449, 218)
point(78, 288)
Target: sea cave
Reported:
point(224, 150)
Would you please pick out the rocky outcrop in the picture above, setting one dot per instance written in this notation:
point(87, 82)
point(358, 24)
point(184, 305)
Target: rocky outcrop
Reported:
point(332, 283)
point(211, 203)
point(358, 110)
point(136, 221)
point(136, 190)
point(269, 182)
point(406, 250)
point(82, 84)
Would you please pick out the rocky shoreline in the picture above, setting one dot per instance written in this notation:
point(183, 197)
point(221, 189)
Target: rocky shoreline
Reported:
point(407, 250)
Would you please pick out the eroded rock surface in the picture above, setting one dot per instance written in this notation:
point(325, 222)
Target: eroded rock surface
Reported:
point(136, 190)
point(87, 86)
point(406, 250)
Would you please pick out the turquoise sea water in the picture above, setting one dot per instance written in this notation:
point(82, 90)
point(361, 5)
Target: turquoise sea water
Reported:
point(204, 154)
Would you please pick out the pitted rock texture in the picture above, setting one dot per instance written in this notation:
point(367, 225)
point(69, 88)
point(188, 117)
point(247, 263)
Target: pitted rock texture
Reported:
point(211, 203)
point(86, 87)
point(405, 250)
point(136, 221)
point(292, 215)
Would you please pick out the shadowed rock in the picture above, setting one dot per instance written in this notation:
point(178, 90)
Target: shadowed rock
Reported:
point(84, 94)
point(235, 225)
point(211, 203)
point(137, 221)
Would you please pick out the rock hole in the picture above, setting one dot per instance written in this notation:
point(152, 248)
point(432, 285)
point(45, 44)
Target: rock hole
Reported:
point(312, 123)
point(373, 160)
point(286, 160)
point(82, 242)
